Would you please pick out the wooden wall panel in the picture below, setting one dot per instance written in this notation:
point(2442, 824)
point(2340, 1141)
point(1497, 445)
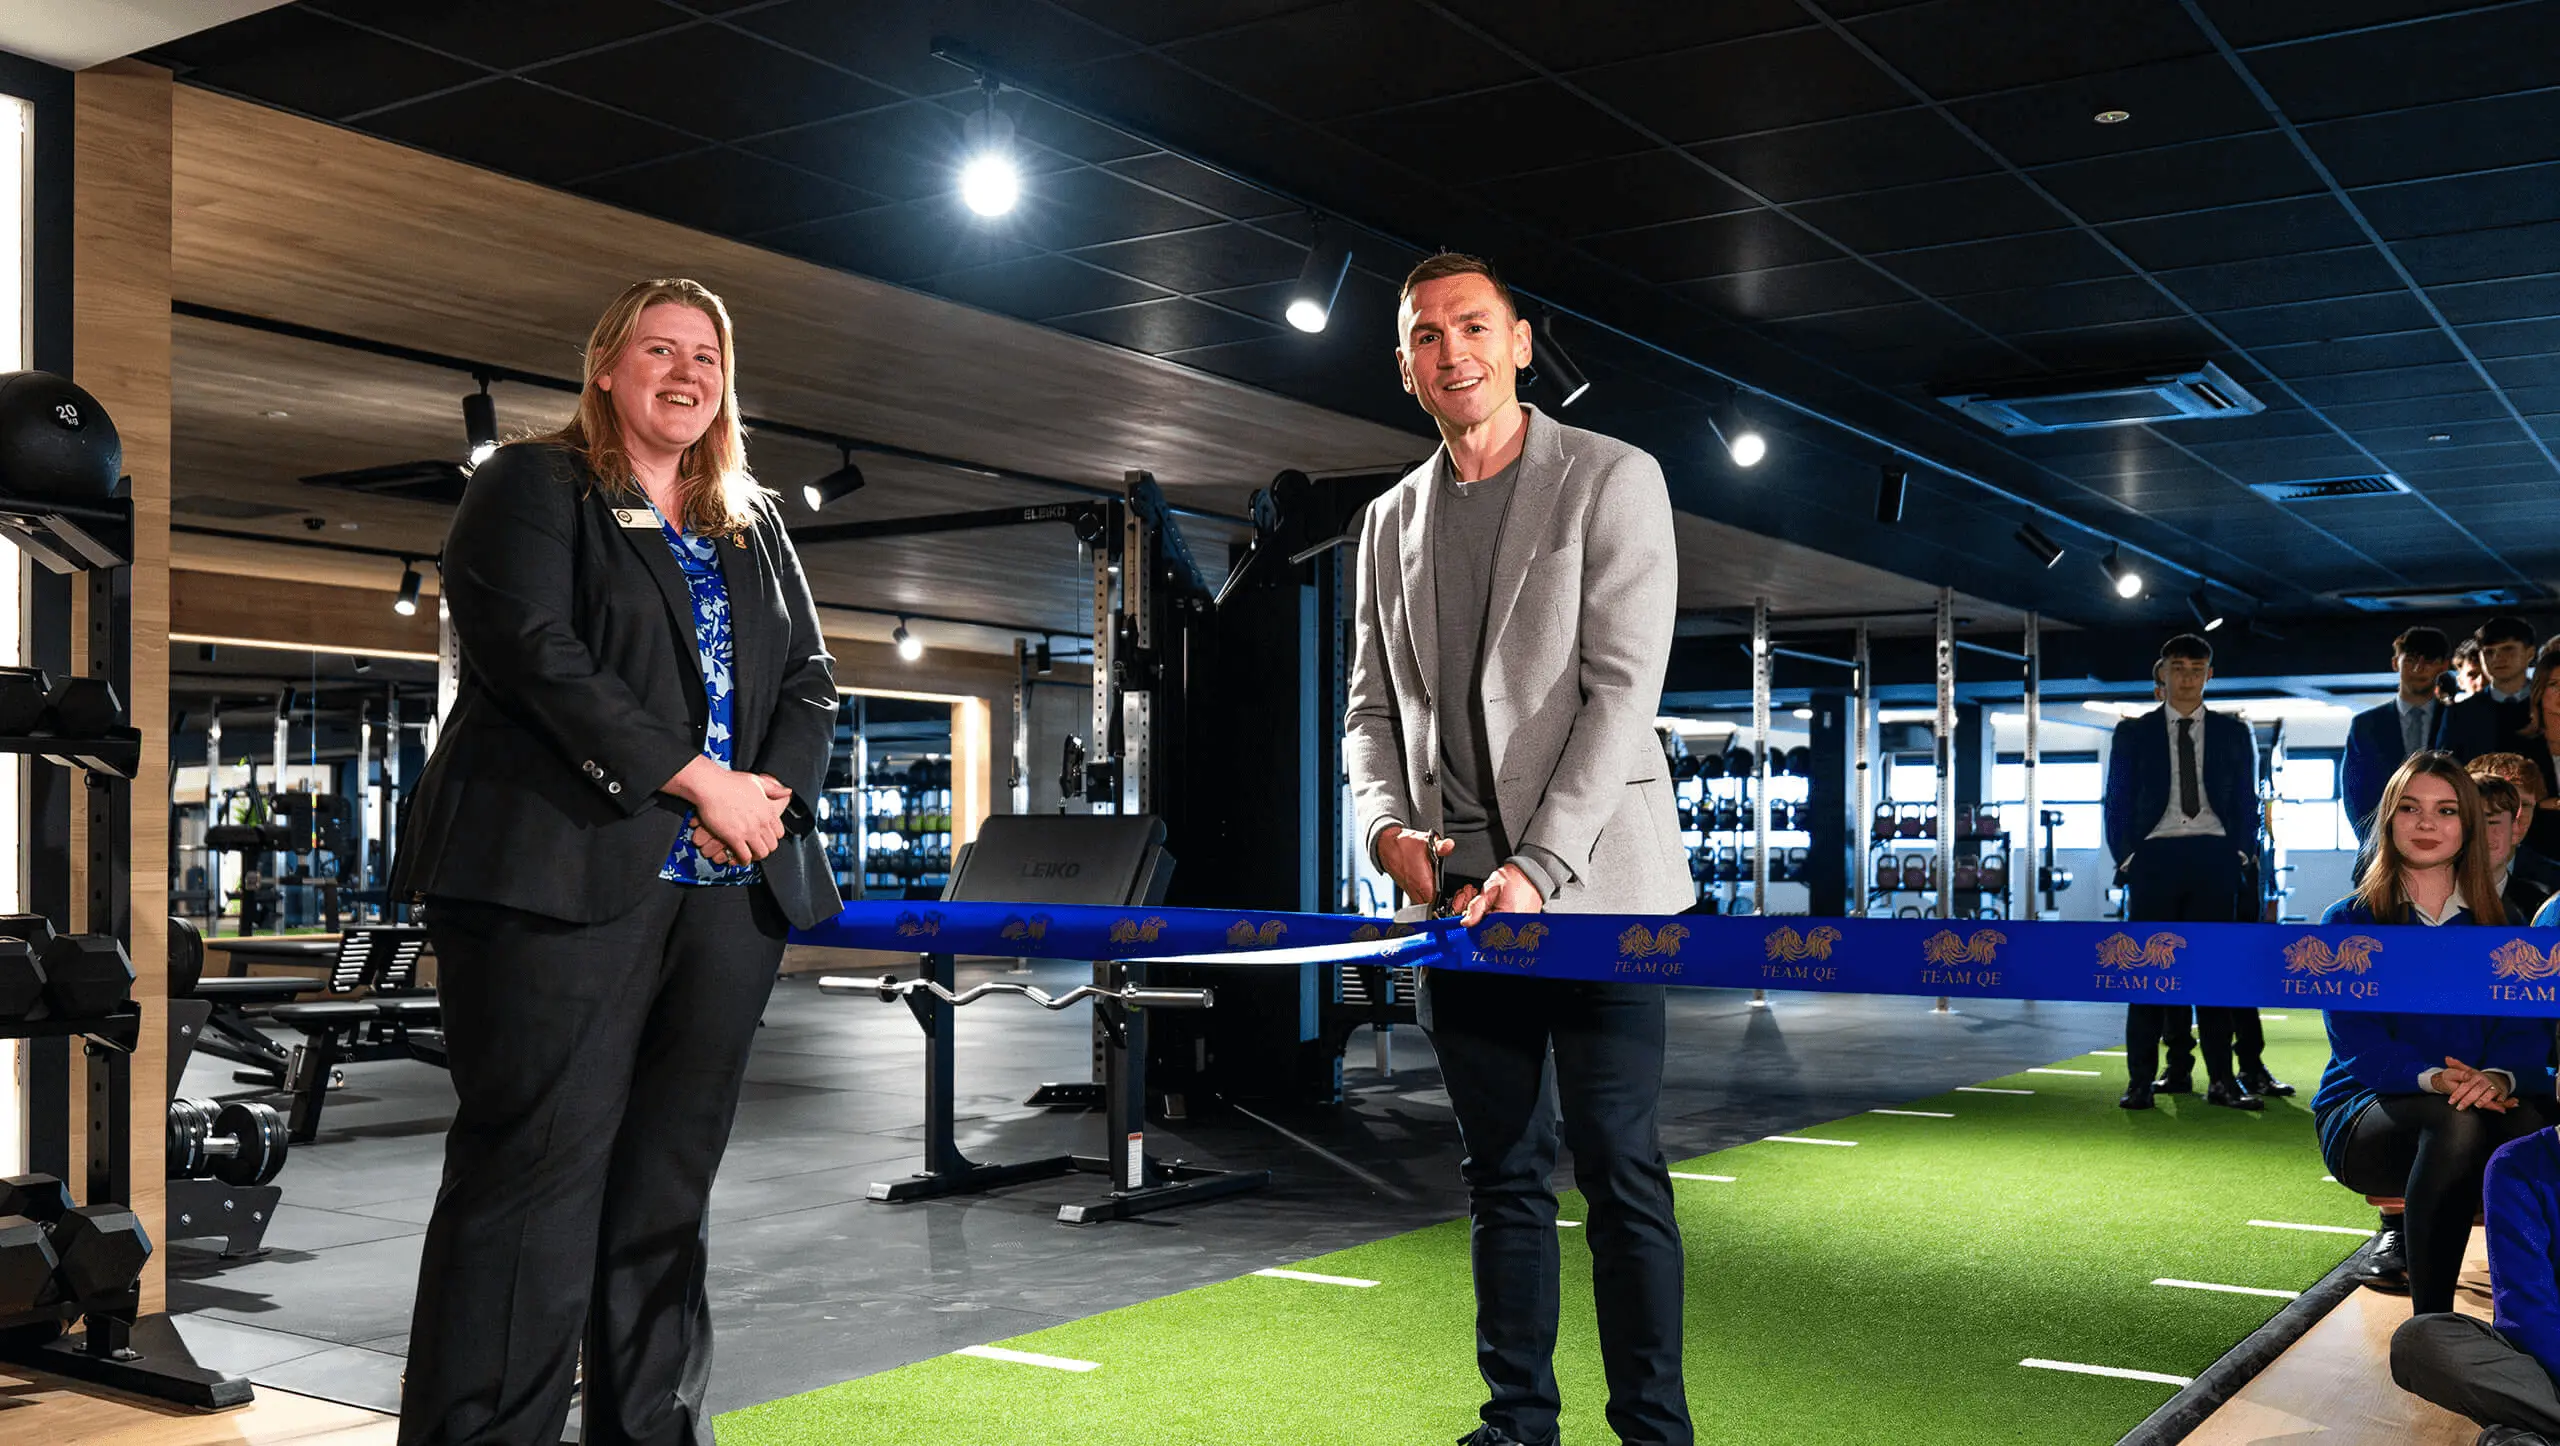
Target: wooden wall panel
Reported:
point(120, 350)
point(296, 614)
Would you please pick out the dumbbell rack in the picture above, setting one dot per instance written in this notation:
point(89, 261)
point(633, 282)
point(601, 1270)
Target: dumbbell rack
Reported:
point(120, 1347)
point(1708, 864)
point(1970, 902)
point(892, 804)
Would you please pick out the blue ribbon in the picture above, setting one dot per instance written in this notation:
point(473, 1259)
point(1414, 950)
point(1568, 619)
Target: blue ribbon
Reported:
point(2404, 969)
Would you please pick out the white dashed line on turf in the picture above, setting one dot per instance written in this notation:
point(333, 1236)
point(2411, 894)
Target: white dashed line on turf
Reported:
point(1989, 1090)
point(2328, 1179)
point(1027, 1358)
point(2316, 1229)
point(2275, 1016)
point(1352, 1281)
point(2118, 1372)
point(2108, 1053)
point(1568, 1225)
point(1685, 1175)
point(2043, 1069)
point(1806, 1140)
point(1916, 1114)
point(2231, 1289)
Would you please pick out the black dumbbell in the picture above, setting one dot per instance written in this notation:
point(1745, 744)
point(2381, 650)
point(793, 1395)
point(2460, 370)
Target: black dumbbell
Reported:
point(22, 695)
point(21, 980)
point(27, 1263)
point(99, 1252)
point(84, 976)
point(81, 708)
point(41, 1198)
point(239, 1143)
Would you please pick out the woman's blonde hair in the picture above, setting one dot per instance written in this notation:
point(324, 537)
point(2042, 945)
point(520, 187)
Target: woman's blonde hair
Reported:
point(712, 479)
point(2380, 889)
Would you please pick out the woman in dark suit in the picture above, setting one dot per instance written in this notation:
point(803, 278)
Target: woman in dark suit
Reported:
point(2412, 1105)
point(611, 841)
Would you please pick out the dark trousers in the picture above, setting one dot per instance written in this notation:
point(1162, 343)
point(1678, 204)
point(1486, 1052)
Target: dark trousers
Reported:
point(2184, 881)
point(1493, 1035)
point(2420, 1148)
point(2460, 1363)
point(598, 1067)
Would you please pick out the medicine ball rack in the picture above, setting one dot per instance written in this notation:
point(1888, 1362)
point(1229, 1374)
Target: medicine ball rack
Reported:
point(120, 1346)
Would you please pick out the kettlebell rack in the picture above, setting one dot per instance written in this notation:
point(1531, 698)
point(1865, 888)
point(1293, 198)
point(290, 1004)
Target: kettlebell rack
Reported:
point(81, 724)
point(1905, 877)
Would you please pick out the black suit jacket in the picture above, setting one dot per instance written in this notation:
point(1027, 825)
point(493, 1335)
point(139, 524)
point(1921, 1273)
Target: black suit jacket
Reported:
point(581, 693)
point(2140, 777)
point(2481, 724)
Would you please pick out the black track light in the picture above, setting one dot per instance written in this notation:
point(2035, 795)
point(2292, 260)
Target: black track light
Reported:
point(284, 702)
point(2207, 616)
point(1551, 362)
point(2045, 550)
point(840, 483)
point(1892, 485)
point(910, 647)
point(406, 604)
point(1319, 281)
point(2126, 580)
point(1041, 661)
point(480, 423)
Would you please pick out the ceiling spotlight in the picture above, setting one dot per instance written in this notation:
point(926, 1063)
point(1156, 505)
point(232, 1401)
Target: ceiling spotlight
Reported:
point(406, 604)
point(1742, 441)
point(2045, 549)
point(480, 423)
point(1551, 361)
point(2128, 582)
point(2207, 617)
point(1892, 484)
point(840, 483)
point(2112, 117)
point(990, 182)
point(910, 647)
point(1319, 281)
point(1805, 714)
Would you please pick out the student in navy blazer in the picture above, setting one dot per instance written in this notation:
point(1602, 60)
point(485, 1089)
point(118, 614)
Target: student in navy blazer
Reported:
point(2380, 738)
point(2412, 1105)
point(2500, 1372)
point(2182, 823)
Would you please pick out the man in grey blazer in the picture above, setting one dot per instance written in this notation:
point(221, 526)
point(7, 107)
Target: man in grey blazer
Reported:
point(1515, 601)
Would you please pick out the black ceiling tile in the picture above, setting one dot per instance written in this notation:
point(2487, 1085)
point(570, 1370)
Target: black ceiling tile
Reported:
point(1157, 327)
point(2509, 251)
point(2514, 372)
point(507, 34)
point(726, 193)
point(1975, 208)
point(1211, 259)
point(1899, 147)
point(907, 151)
point(2464, 205)
point(524, 130)
point(1042, 126)
point(2536, 475)
point(901, 243)
point(2534, 400)
point(2514, 338)
point(1364, 311)
point(2269, 22)
point(2274, 280)
point(2119, 345)
point(1910, 323)
point(1155, 22)
point(1202, 187)
point(1646, 189)
point(1955, 48)
point(2472, 135)
point(303, 61)
point(2348, 388)
point(715, 82)
point(2238, 233)
point(1340, 59)
point(2170, 101)
point(2266, 461)
point(1790, 78)
point(1926, 367)
point(2487, 301)
point(1565, 37)
point(2222, 171)
point(893, 44)
point(2074, 305)
point(1796, 290)
point(2390, 351)
point(2459, 413)
point(1065, 210)
point(1543, 126)
point(2484, 52)
point(1040, 286)
point(2426, 464)
point(1712, 246)
point(2301, 321)
point(2047, 259)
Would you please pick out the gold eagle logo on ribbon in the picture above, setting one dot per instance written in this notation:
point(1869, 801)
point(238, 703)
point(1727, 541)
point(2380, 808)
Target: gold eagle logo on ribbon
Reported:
point(1034, 929)
point(1136, 931)
point(1244, 936)
point(1945, 947)
point(911, 926)
point(1371, 933)
point(2160, 951)
point(2352, 956)
point(2518, 960)
point(1500, 937)
point(1783, 943)
point(1642, 943)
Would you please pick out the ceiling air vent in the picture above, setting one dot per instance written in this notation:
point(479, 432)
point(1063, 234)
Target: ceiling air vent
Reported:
point(2322, 489)
point(2120, 399)
point(2440, 599)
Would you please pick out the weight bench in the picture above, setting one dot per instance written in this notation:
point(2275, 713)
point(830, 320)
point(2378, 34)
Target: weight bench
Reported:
point(226, 1030)
point(392, 1023)
point(239, 1214)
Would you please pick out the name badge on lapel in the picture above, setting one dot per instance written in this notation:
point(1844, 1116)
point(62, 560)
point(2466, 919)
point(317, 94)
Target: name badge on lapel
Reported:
point(636, 517)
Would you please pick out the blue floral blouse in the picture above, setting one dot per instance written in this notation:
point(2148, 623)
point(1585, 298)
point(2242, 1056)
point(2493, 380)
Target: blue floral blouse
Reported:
point(699, 557)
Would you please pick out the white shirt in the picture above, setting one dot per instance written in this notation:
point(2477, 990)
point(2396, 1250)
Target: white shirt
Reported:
point(2518, 696)
point(2453, 907)
point(2174, 822)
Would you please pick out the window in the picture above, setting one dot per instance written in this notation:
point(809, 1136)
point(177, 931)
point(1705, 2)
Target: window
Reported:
point(2308, 814)
point(2073, 784)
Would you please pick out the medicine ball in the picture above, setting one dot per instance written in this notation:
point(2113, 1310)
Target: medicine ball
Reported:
point(56, 443)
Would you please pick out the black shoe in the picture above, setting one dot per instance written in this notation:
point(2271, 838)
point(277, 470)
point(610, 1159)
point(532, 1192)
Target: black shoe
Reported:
point(2511, 1436)
point(2176, 1081)
point(2135, 1097)
point(2386, 1266)
point(2262, 1083)
point(1496, 1436)
point(2229, 1094)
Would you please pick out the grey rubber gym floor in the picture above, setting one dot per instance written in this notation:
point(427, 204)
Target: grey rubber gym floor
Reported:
point(812, 1284)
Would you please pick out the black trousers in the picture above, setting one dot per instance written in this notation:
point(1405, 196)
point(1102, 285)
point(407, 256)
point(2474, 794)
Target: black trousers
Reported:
point(2461, 1363)
point(2186, 881)
point(1493, 1035)
point(598, 1067)
point(2419, 1147)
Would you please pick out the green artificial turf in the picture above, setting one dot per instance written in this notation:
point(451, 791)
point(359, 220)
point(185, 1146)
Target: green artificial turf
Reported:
point(1884, 1293)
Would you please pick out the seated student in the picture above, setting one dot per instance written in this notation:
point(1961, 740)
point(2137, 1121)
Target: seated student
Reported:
point(2538, 847)
point(2411, 1105)
point(2504, 818)
point(2499, 1373)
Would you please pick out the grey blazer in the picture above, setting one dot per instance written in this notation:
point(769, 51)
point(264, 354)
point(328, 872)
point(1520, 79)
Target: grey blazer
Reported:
point(1585, 590)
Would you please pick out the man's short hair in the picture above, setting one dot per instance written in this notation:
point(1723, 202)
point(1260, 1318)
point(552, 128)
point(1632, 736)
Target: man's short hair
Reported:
point(2468, 650)
point(2518, 771)
point(2505, 628)
point(1445, 264)
point(2187, 645)
point(2497, 795)
point(2422, 642)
